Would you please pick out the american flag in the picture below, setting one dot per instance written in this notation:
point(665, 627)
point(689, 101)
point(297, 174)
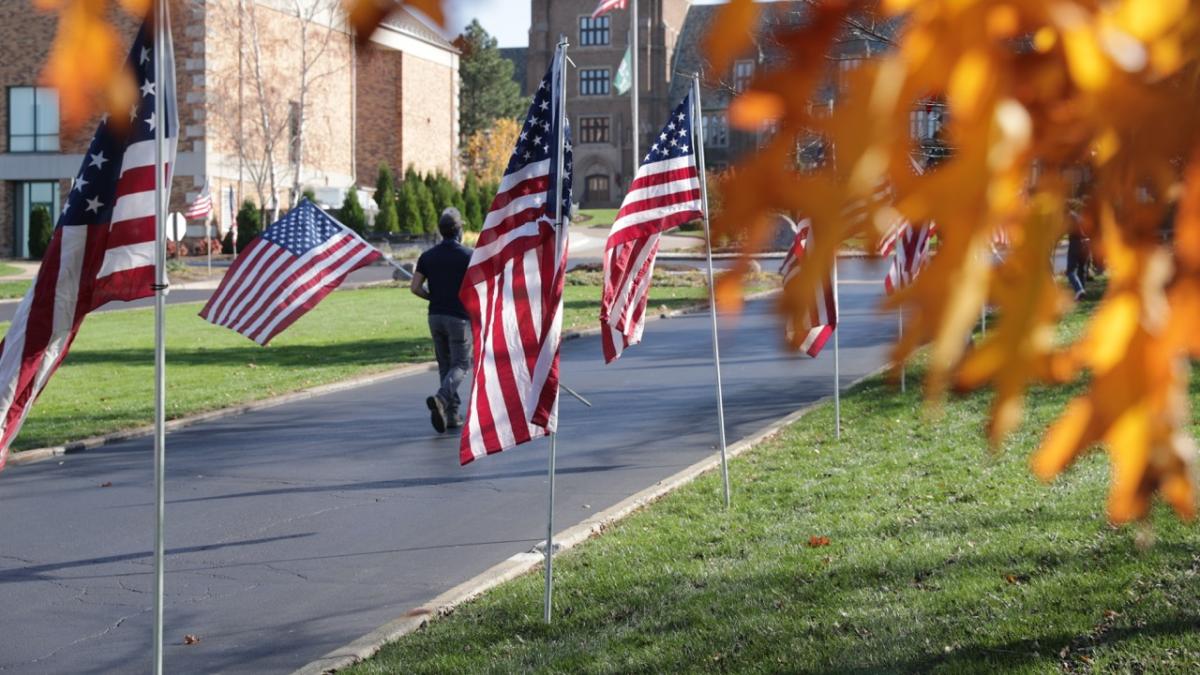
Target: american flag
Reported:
point(822, 317)
point(607, 6)
point(665, 193)
point(103, 246)
point(202, 207)
point(514, 284)
point(911, 254)
point(285, 272)
point(884, 196)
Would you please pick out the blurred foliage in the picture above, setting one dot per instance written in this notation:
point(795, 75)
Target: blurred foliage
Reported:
point(1047, 100)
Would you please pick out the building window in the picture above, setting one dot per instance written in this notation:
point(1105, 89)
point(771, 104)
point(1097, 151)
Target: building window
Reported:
point(743, 72)
point(597, 188)
point(925, 122)
point(32, 119)
point(593, 82)
point(767, 131)
point(293, 130)
point(716, 130)
point(594, 130)
point(593, 32)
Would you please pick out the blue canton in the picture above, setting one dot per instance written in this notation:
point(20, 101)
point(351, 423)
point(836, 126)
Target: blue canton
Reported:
point(303, 229)
point(537, 141)
point(675, 139)
point(94, 188)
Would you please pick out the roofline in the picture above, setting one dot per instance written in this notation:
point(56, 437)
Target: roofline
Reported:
point(445, 45)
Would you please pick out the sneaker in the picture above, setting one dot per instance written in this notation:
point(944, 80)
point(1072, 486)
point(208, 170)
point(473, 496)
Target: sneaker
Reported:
point(454, 421)
point(437, 413)
point(1078, 296)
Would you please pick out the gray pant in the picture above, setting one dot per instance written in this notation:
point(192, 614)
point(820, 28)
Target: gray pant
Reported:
point(452, 346)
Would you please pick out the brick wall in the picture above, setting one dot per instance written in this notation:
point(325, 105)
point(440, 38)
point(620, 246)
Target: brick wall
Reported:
point(380, 132)
point(429, 98)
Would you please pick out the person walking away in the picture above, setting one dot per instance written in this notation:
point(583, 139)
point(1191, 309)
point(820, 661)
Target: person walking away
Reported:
point(1076, 261)
point(442, 268)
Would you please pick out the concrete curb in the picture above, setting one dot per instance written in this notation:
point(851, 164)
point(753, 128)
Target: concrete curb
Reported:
point(523, 563)
point(43, 454)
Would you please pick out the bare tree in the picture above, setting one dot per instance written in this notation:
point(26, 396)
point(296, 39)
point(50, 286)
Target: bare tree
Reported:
point(317, 19)
point(268, 124)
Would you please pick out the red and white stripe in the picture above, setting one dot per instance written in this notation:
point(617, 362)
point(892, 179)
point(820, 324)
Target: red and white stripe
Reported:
point(85, 266)
point(202, 207)
point(911, 254)
point(268, 288)
point(822, 317)
point(607, 6)
point(663, 195)
point(513, 291)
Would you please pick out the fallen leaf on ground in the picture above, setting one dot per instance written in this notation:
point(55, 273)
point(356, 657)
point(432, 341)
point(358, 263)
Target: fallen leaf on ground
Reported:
point(190, 639)
point(818, 542)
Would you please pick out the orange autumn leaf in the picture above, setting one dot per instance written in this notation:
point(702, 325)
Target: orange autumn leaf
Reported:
point(737, 20)
point(1086, 127)
point(818, 541)
point(85, 62)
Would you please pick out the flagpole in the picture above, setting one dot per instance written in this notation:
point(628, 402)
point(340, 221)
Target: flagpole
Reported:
point(559, 233)
point(160, 353)
point(633, 93)
point(903, 365)
point(698, 139)
point(837, 359)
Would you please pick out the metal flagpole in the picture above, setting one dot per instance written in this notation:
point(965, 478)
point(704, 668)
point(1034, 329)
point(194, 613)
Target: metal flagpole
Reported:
point(712, 291)
point(837, 359)
point(633, 93)
point(160, 352)
point(559, 232)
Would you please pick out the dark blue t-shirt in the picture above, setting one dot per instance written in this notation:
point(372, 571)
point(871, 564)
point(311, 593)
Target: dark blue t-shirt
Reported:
point(444, 266)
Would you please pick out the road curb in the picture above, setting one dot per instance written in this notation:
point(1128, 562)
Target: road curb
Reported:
point(44, 454)
point(524, 563)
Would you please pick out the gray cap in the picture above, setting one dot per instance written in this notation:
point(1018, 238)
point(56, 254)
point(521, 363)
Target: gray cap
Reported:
point(451, 222)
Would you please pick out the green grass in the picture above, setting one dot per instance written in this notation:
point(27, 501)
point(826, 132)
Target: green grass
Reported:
point(7, 270)
point(599, 217)
point(941, 558)
point(106, 382)
point(13, 289)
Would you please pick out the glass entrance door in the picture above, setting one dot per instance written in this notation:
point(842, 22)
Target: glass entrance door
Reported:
point(30, 196)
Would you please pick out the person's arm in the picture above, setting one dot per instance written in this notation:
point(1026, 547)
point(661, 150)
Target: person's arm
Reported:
point(417, 285)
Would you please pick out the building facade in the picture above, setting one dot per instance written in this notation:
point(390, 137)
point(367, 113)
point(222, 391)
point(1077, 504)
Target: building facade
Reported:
point(601, 119)
point(672, 36)
point(271, 100)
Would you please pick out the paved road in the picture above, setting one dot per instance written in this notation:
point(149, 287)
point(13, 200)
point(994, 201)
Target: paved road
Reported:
point(289, 536)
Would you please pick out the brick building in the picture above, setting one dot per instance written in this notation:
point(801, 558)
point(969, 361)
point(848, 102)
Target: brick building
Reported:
point(671, 45)
point(245, 123)
point(600, 118)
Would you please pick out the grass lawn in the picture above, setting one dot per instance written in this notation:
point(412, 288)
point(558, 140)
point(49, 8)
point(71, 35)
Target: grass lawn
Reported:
point(13, 289)
point(939, 558)
point(7, 270)
point(106, 382)
point(599, 217)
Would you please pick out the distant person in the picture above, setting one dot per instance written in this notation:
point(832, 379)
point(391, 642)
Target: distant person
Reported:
point(443, 268)
point(1077, 260)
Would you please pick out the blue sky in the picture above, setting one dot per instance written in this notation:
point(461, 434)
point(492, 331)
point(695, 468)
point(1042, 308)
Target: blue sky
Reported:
point(500, 18)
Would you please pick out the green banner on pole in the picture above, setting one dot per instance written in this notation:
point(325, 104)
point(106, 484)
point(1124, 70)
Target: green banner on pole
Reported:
point(623, 80)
